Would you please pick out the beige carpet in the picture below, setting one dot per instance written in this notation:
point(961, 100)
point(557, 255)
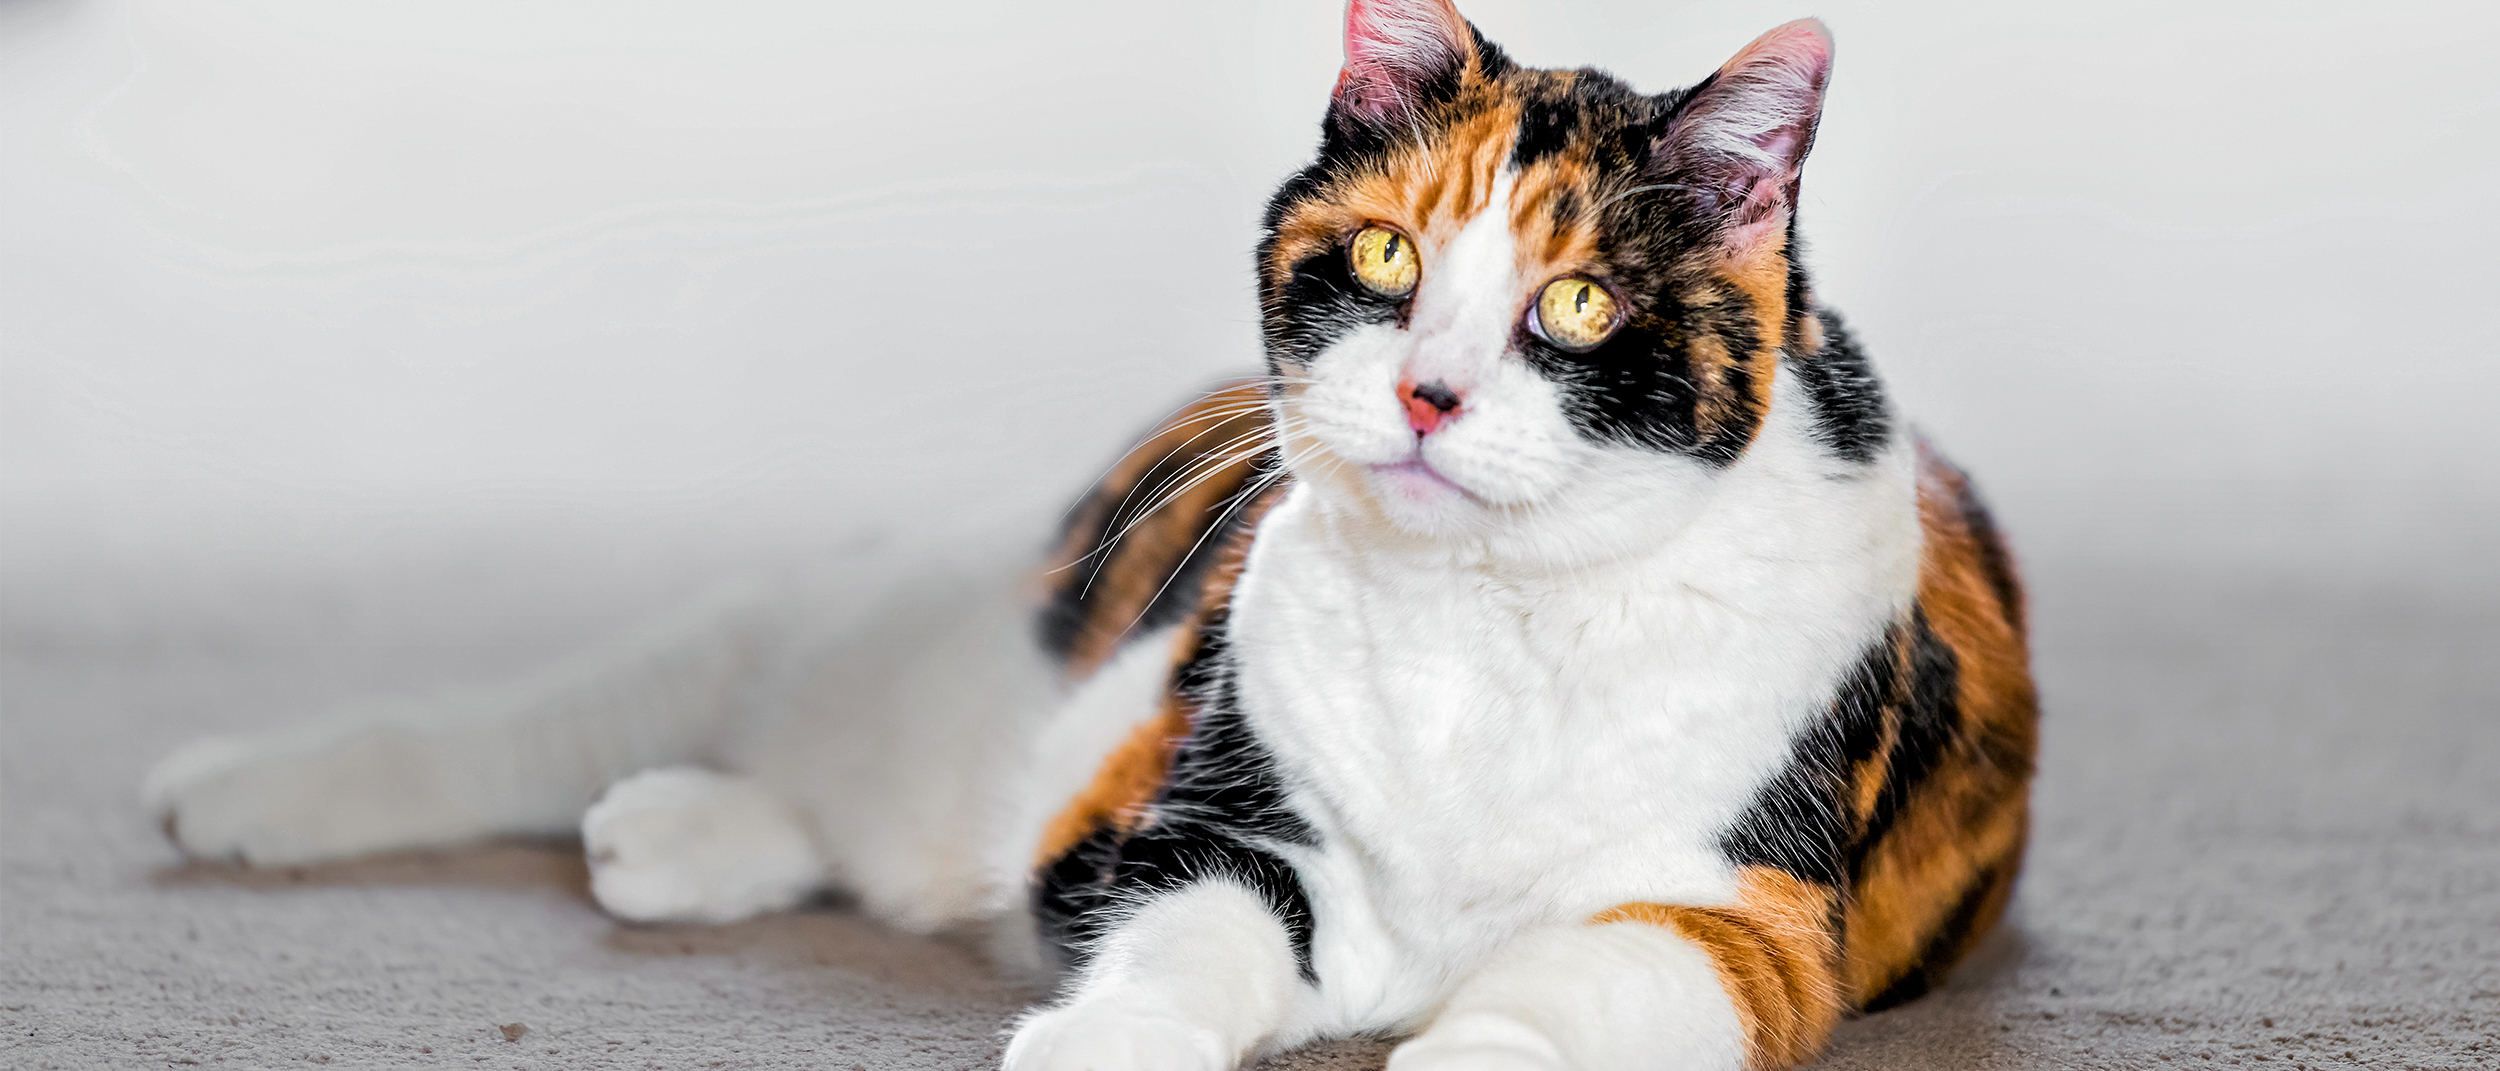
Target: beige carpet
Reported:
point(2268, 836)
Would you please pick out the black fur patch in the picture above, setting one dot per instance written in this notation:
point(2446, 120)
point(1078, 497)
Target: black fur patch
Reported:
point(1800, 820)
point(1634, 389)
point(1545, 129)
point(1741, 413)
point(1931, 722)
point(1223, 814)
point(1325, 301)
point(1850, 413)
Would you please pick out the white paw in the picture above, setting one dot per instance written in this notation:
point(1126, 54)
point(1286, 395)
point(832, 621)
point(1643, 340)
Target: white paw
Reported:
point(1478, 1043)
point(286, 800)
point(1083, 1038)
point(684, 844)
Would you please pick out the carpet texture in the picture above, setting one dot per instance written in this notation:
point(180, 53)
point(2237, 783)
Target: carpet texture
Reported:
point(2267, 835)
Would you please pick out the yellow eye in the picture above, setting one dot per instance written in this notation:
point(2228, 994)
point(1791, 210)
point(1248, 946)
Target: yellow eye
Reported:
point(1575, 314)
point(1385, 261)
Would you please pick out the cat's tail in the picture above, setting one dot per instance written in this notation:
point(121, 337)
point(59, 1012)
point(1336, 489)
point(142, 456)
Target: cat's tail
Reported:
point(523, 757)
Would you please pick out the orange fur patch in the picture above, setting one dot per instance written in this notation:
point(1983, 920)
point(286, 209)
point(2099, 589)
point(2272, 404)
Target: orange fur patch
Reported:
point(1774, 954)
point(1127, 780)
point(1762, 276)
point(1428, 191)
point(1957, 844)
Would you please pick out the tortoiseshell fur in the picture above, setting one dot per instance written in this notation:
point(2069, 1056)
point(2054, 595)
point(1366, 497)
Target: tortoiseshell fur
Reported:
point(1889, 843)
point(1877, 859)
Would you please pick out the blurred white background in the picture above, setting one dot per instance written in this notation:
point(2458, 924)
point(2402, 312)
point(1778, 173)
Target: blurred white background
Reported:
point(367, 294)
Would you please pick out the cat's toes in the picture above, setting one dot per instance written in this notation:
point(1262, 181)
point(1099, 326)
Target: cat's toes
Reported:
point(1080, 1038)
point(685, 844)
point(266, 803)
point(1478, 1043)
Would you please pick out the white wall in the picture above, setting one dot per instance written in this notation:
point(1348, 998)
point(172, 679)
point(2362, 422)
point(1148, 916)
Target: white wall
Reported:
point(307, 280)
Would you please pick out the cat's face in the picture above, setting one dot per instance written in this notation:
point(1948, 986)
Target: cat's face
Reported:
point(1531, 311)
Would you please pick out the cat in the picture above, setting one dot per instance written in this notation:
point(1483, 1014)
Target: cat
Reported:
point(1562, 657)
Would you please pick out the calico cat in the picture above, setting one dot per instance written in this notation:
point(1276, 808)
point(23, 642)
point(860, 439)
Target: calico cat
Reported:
point(1563, 655)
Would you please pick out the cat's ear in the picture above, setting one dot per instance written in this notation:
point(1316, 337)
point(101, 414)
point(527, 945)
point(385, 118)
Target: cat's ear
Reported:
point(1396, 53)
point(1740, 140)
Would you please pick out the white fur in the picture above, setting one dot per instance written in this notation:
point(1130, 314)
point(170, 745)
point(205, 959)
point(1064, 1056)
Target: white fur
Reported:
point(686, 844)
point(895, 733)
point(1097, 715)
point(1496, 744)
point(1621, 997)
point(522, 757)
point(1194, 980)
point(866, 718)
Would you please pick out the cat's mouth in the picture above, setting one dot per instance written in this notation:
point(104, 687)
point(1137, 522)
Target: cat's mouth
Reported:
point(1415, 480)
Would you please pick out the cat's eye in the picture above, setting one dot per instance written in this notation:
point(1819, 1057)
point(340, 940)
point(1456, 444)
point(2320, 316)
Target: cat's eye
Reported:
point(1385, 261)
point(1575, 313)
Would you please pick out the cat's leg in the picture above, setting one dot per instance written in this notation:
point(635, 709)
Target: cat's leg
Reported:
point(522, 758)
point(878, 709)
point(1194, 979)
point(897, 744)
point(1649, 986)
point(686, 844)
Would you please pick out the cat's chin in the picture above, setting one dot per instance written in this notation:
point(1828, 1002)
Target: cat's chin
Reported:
point(1617, 504)
point(1419, 499)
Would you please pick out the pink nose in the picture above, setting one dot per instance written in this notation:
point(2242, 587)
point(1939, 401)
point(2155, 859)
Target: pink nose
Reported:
point(1428, 404)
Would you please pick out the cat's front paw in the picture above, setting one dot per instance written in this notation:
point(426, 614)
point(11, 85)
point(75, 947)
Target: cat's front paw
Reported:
point(1096, 1038)
point(1478, 1043)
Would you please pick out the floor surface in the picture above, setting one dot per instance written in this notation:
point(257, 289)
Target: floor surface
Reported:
point(2268, 835)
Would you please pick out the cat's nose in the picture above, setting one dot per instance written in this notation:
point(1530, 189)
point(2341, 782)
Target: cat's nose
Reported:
point(1428, 404)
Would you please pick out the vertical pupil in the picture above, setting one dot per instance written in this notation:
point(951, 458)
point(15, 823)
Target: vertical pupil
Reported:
point(1580, 301)
point(1389, 250)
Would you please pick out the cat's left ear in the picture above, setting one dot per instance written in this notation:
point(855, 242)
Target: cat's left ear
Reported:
point(1397, 52)
point(1740, 140)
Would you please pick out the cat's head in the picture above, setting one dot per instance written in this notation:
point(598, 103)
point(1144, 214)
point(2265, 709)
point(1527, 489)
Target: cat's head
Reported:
point(1527, 310)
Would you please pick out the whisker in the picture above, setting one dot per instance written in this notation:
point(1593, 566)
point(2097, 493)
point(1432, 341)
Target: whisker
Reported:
point(1262, 428)
point(1224, 520)
point(1221, 415)
point(1206, 467)
point(1170, 423)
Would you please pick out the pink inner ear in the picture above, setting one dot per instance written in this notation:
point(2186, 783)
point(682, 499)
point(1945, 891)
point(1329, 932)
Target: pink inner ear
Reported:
point(1781, 143)
point(1391, 47)
point(1748, 133)
point(1757, 219)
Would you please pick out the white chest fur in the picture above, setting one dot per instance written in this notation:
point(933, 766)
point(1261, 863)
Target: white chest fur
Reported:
point(1482, 749)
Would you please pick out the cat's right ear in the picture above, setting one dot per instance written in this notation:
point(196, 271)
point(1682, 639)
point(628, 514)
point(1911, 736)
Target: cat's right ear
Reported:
point(1740, 141)
point(1398, 54)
